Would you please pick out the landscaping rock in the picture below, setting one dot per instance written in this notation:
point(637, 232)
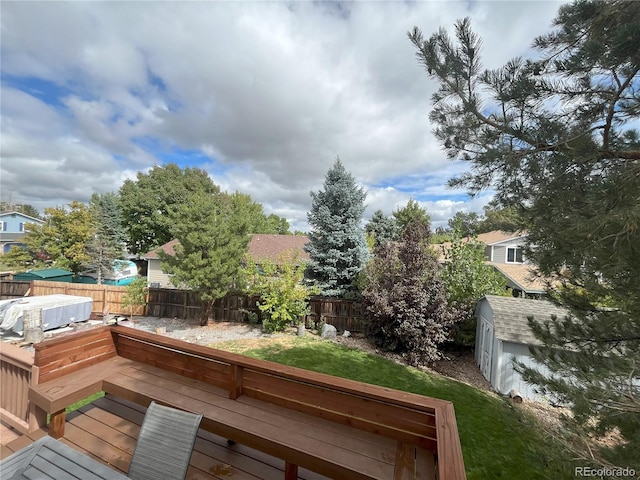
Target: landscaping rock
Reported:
point(329, 331)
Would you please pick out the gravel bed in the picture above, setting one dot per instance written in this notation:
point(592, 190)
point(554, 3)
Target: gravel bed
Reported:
point(191, 331)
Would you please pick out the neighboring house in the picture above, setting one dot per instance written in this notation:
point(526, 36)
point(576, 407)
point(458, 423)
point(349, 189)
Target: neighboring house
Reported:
point(261, 247)
point(505, 252)
point(13, 226)
point(156, 277)
point(503, 334)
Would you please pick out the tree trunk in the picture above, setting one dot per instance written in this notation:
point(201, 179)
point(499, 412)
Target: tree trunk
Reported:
point(204, 313)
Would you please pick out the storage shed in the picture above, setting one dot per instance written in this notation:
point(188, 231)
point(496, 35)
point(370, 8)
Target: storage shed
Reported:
point(503, 334)
point(49, 274)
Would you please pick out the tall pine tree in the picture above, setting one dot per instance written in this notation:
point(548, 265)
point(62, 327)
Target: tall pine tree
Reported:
point(108, 241)
point(213, 237)
point(556, 138)
point(337, 244)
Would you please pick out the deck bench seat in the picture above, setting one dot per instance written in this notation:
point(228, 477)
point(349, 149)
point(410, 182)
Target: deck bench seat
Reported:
point(322, 424)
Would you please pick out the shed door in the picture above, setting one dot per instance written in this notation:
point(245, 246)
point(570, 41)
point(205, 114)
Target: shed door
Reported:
point(486, 349)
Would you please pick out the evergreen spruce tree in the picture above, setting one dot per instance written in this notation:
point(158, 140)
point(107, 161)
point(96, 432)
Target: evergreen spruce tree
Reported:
point(556, 138)
point(383, 228)
point(337, 244)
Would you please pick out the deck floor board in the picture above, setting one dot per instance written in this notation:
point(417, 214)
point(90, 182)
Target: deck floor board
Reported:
point(106, 430)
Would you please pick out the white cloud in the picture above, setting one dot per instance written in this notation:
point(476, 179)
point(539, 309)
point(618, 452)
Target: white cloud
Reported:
point(271, 92)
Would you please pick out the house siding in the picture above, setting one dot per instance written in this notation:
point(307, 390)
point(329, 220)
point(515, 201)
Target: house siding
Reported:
point(156, 275)
point(499, 254)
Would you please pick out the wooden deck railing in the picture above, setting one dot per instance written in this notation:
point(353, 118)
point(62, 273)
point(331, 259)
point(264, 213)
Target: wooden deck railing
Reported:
point(17, 374)
point(141, 366)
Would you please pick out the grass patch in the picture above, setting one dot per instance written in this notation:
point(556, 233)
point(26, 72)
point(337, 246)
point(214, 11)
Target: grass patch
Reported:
point(84, 402)
point(498, 440)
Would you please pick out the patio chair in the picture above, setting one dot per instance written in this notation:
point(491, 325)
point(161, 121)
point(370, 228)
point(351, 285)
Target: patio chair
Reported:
point(165, 444)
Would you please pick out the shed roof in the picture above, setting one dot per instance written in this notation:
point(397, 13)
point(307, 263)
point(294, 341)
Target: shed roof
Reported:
point(48, 273)
point(510, 316)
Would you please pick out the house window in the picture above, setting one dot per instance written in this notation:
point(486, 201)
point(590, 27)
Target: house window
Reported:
point(3, 226)
point(514, 255)
point(21, 227)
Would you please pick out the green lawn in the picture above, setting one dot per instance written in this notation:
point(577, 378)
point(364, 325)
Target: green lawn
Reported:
point(498, 440)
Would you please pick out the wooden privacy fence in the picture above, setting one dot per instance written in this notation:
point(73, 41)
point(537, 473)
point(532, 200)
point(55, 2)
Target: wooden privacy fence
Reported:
point(10, 289)
point(170, 302)
point(342, 314)
point(105, 297)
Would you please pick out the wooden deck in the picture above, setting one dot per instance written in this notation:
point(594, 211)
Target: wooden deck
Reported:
point(107, 430)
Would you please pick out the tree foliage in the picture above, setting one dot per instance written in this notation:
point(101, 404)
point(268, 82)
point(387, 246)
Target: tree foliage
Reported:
point(258, 221)
point(283, 297)
point(61, 240)
point(337, 244)
point(465, 224)
point(467, 278)
point(496, 217)
point(382, 228)
point(555, 138)
point(412, 212)
point(23, 208)
point(213, 239)
point(146, 203)
point(405, 300)
point(108, 241)
point(135, 294)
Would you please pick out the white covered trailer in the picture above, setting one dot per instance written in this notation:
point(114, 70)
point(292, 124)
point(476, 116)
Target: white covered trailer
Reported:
point(57, 311)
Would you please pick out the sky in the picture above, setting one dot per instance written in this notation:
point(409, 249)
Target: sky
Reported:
point(262, 95)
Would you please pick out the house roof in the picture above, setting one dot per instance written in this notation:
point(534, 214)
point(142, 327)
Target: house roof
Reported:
point(168, 248)
point(13, 213)
point(498, 236)
point(261, 247)
point(521, 276)
point(510, 316)
point(272, 247)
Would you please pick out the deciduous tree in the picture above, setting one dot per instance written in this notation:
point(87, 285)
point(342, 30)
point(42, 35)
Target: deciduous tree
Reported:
point(283, 297)
point(62, 239)
point(466, 278)
point(146, 202)
point(412, 212)
point(405, 301)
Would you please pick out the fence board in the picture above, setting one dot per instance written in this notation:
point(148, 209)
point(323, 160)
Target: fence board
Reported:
point(105, 297)
point(10, 289)
point(170, 302)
